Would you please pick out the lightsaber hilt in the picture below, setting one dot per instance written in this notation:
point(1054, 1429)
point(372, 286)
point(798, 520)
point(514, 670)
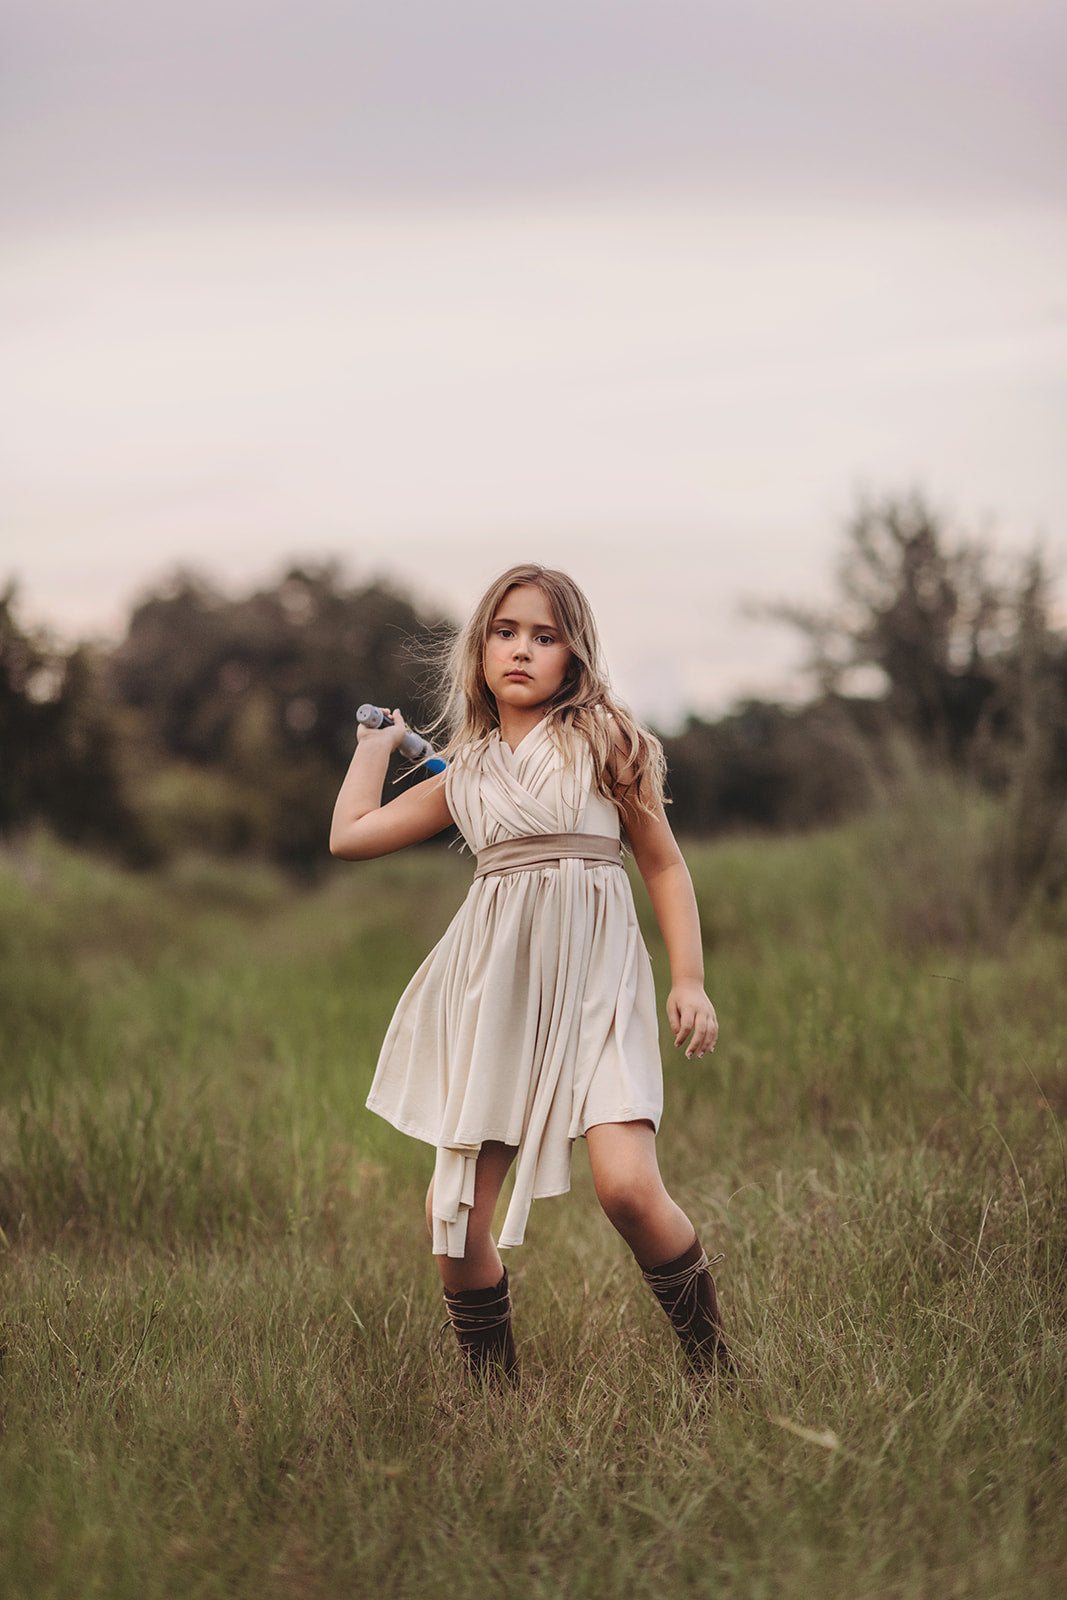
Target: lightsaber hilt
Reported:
point(412, 745)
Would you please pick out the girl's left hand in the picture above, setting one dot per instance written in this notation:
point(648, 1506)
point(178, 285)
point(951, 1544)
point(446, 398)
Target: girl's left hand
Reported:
point(692, 1016)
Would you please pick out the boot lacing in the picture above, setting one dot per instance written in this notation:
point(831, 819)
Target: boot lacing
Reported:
point(473, 1319)
point(680, 1288)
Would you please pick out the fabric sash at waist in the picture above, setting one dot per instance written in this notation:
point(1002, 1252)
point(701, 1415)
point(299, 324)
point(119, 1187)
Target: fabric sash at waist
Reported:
point(547, 850)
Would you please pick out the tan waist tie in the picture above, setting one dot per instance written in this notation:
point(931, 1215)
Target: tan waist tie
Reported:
point(547, 850)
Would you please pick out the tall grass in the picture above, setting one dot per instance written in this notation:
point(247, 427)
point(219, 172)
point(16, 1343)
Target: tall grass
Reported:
point(222, 1369)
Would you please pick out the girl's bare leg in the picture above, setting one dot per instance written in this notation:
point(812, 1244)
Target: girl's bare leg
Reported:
point(631, 1191)
point(661, 1236)
point(481, 1266)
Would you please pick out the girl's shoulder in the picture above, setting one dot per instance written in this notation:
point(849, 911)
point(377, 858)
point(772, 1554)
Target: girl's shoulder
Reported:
point(601, 733)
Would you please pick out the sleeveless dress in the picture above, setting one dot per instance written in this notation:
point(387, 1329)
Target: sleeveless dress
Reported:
point(534, 1018)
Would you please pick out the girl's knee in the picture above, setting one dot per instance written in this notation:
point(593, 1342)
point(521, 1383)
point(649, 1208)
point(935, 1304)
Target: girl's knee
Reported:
point(628, 1202)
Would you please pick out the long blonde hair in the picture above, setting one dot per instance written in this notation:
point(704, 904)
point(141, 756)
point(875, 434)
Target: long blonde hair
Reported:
point(584, 703)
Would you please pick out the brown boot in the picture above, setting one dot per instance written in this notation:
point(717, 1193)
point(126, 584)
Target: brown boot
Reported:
point(685, 1289)
point(482, 1320)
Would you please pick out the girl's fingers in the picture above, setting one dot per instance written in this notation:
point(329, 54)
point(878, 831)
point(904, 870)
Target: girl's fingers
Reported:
point(704, 1033)
point(689, 1028)
point(393, 732)
point(693, 1021)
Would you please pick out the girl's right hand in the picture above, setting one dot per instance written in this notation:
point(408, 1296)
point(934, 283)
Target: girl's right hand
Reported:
point(390, 737)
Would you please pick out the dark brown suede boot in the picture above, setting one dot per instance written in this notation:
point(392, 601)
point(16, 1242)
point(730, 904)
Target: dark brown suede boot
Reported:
point(482, 1320)
point(685, 1289)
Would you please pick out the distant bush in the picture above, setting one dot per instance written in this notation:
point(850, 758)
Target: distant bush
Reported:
point(769, 767)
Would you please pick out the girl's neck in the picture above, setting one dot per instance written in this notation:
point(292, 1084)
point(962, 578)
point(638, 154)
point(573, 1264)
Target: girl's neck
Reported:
point(515, 723)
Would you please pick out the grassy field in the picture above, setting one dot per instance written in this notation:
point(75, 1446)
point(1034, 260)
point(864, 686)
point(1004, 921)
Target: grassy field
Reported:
point(222, 1369)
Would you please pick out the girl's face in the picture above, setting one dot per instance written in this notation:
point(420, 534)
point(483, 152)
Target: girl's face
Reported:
point(526, 657)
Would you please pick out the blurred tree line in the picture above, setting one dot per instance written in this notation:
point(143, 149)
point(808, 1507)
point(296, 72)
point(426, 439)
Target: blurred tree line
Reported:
point(216, 724)
point(225, 724)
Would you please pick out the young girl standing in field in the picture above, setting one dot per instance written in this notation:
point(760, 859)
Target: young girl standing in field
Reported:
point(533, 1021)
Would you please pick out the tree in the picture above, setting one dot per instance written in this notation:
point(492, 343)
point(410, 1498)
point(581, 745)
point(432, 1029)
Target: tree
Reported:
point(968, 665)
point(60, 759)
point(939, 631)
point(261, 691)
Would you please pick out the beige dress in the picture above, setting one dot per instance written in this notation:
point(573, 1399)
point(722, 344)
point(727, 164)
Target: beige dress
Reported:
point(534, 1018)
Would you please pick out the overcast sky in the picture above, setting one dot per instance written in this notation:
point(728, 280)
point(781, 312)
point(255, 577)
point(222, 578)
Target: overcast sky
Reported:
point(648, 289)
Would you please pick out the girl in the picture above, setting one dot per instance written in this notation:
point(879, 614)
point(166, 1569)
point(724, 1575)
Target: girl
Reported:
point(534, 1019)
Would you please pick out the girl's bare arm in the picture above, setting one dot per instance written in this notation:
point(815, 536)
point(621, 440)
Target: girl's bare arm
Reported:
point(362, 827)
point(670, 888)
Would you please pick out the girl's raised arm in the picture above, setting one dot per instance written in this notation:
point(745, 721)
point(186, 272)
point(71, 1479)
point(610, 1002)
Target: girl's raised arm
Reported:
point(362, 827)
point(670, 888)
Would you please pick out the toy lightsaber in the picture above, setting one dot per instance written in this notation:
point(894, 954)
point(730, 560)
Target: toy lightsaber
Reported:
point(411, 745)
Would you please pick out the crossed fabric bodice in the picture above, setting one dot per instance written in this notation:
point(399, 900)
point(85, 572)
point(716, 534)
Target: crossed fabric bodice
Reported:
point(498, 793)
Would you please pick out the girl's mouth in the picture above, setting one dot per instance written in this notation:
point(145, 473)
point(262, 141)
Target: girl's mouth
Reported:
point(522, 677)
